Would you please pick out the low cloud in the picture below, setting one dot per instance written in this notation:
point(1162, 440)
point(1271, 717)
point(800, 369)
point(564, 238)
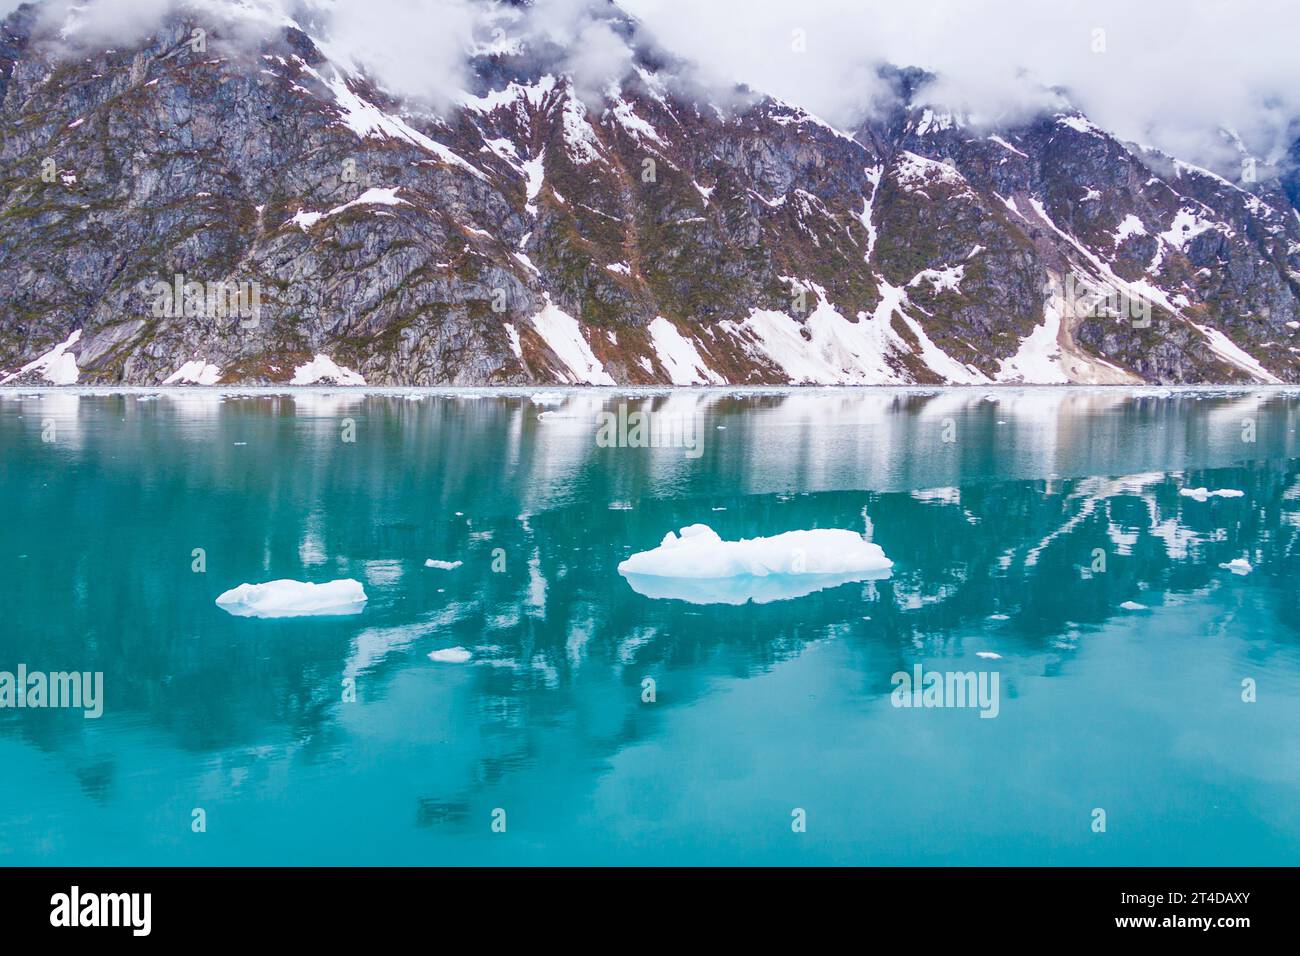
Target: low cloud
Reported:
point(1164, 73)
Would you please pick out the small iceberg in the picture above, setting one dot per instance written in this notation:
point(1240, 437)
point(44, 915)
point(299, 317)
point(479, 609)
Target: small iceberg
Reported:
point(988, 655)
point(286, 598)
point(451, 655)
point(442, 565)
point(701, 568)
point(1203, 494)
point(1133, 606)
point(1237, 566)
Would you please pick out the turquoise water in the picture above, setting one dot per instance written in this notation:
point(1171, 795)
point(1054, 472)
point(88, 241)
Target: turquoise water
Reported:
point(994, 508)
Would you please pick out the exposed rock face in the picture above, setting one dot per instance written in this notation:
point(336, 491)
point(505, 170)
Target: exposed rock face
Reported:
point(250, 213)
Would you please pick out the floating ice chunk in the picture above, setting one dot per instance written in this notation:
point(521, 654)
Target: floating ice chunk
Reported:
point(1133, 606)
point(1202, 494)
point(451, 655)
point(442, 565)
point(999, 617)
point(287, 598)
point(701, 568)
point(701, 553)
point(1238, 566)
point(988, 655)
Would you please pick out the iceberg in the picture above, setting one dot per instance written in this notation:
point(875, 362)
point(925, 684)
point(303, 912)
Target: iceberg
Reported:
point(1237, 566)
point(441, 565)
point(451, 655)
point(701, 568)
point(287, 598)
point(1202, 494)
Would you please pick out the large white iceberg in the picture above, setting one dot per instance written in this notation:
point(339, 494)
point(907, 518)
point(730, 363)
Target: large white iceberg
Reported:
point(701, 568)
point(1204, 494)
point(287, 598)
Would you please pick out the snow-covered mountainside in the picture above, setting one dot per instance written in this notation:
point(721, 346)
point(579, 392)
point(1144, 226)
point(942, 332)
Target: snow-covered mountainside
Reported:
point(252, 211)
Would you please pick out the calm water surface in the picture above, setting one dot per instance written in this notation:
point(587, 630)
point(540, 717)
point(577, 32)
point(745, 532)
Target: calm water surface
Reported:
point(761, 708)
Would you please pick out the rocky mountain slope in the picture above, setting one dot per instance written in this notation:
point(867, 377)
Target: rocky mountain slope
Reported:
point(237, 210)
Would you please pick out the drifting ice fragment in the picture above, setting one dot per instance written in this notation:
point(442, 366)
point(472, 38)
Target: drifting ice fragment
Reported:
point(701, 568)
point(286, 598)
point(1237, 566)
point(1201, 494)
point(451, 655)
point(441, 565)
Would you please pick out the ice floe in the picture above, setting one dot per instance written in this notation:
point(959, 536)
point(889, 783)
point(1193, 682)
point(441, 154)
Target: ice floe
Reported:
point(1203, 494)
point(451, 655)
point(442, 565)
point(701, 568)
point(1237, 566)
point(288, 598)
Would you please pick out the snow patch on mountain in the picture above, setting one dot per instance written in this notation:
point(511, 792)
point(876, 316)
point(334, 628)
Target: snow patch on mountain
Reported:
point(623, 112)
point(1005, 145)
point(1187, 225)
point(535, 177)
point(514, 95)
point(322, 370)
point(1234, 354)
point(562, 333)
point(1038, 360)
point(579, 137)
point(366, 120)
point(1131, 226)
point(947, 279)
point(914, 172)
point(195, 372)
point(58, 366)
point(679, 356)
point(371, 197)
point(893, 301)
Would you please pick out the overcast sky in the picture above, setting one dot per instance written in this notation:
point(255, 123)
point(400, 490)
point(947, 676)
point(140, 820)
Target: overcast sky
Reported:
point(1162, 72)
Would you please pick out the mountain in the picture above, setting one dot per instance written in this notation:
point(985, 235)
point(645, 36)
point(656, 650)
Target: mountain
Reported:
point(243, 209)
